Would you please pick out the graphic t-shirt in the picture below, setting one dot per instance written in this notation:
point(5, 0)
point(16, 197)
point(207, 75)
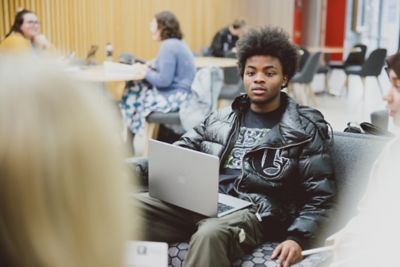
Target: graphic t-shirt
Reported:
point(253, 128)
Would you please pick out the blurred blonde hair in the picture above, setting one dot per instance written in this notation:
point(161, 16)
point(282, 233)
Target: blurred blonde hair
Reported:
point(63, 184)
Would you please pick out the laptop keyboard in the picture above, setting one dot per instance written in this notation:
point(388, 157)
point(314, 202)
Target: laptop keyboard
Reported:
point(223, 207)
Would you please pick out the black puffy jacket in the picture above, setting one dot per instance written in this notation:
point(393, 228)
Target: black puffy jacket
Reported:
point(295, 191)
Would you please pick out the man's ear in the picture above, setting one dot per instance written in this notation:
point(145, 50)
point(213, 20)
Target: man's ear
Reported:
point(285, 82)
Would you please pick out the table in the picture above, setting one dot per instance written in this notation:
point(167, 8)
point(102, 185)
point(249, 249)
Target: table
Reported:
point(326, 49)
point(114, 74)
point(221, 62)
point(108, 72)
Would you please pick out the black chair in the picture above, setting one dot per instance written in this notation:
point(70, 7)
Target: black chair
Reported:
point(356, 57)
point(233, 85)
point(230, 92)
point(371, 67)
point(306, 76)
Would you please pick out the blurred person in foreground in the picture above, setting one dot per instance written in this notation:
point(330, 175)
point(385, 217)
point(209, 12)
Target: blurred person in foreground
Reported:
point(63, 187)
point(371, 238)
point(24, 35)
point(224, 41)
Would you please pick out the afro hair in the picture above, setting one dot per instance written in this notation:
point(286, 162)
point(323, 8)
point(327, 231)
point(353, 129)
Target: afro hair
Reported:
point(271, 41)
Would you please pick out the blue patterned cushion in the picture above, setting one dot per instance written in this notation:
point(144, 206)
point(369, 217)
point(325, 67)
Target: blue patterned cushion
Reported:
point(261, 256)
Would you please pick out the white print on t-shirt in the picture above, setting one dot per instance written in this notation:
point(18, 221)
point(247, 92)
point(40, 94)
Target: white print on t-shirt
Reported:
point(247, 139)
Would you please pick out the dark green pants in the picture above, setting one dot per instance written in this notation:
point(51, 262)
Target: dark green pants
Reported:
point(213, 241)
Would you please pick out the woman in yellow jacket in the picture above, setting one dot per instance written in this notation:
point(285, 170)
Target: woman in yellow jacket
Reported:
point(24, 36)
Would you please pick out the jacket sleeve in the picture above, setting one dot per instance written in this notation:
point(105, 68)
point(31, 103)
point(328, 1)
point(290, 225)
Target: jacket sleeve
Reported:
point(193, 138)
point(319, 187)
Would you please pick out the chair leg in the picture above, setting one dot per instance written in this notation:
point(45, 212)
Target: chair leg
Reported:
point(363, 83)
point(379, 84)
point(311, 95)
point(326, 82)
point(345, 85)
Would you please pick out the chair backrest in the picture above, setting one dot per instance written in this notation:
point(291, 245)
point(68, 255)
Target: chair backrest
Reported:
point(206, 87)
point(304, 55)
point(374, 63)
point(352, 156)
point(357, 56)
point(310, 68)
point(231, 75)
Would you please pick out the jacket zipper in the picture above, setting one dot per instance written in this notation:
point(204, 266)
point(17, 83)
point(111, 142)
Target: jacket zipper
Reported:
point(241, 176)
point(223, 155)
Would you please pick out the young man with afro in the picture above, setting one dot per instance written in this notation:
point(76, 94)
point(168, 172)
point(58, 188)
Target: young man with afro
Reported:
point(273, 152)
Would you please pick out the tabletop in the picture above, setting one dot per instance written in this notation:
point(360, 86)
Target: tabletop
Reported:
point(108, 72)
point(221, 62)
point(326, 49)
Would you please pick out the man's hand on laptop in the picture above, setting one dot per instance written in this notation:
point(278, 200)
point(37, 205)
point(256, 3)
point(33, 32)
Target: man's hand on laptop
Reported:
point(289, 252)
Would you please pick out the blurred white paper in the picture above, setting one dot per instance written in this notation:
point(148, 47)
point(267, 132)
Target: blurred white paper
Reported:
point(146, 254)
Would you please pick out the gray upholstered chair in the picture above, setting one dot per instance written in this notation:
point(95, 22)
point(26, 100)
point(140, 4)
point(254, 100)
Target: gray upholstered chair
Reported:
point(380, 118)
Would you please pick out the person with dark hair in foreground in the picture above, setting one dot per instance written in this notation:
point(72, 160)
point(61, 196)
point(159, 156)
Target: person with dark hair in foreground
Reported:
point(273, 152)
point(225, 39)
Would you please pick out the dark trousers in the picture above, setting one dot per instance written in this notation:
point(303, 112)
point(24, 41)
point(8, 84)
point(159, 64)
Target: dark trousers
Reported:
point(213, 241)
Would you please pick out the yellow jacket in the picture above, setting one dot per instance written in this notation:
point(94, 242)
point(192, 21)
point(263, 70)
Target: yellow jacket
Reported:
point(16, 43)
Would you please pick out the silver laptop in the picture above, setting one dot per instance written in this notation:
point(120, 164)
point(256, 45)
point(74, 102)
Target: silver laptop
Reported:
point(188, 179)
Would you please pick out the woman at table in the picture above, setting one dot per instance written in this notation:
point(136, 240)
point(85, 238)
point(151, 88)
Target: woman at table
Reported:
point(65, 196)
point(168, 78)
point(24, 35)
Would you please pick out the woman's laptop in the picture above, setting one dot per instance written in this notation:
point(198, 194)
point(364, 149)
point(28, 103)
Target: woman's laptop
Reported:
point(188, 179)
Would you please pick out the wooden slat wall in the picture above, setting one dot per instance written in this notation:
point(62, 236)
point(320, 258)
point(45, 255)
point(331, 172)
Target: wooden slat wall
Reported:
point(74, 25)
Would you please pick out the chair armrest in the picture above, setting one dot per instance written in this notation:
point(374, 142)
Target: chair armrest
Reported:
point(139, 166)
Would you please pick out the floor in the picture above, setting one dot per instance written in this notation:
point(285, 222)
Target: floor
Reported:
point(343, 107)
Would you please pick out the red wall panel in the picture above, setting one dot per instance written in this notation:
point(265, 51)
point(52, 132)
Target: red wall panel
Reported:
point(335, 25)
point(297, 21)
